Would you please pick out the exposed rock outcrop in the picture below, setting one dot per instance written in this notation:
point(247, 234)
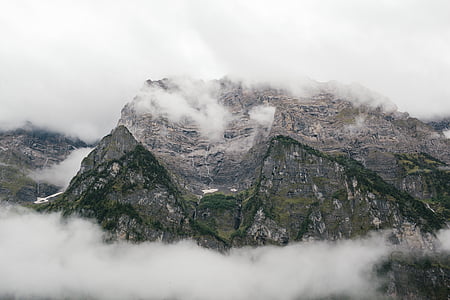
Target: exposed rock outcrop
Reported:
point(220, 152)
point(285, 168)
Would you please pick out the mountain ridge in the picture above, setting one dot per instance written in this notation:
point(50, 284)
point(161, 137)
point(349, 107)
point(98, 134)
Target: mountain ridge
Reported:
point(230, 166)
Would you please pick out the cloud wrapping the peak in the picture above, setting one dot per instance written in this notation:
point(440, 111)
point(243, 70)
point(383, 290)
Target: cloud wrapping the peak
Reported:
point(186, 101)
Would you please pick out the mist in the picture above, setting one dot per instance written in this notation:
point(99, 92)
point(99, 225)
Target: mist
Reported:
point(70, 66)
point(190, 101)
point(447, 133)
point(48, 256)
point(444, 238)
point(61, 173)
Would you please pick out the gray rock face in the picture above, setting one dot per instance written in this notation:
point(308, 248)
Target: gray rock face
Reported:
point(123, 186)
point(219, 154)
point(131, 195)
point(303, 194)
point(111, 147)
point(417, 276)
point(286, 169)
point(227, 152)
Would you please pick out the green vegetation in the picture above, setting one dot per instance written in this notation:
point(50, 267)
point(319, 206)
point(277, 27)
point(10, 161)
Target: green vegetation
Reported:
point(217, 212)
point(412, 272)
point(15, 185)
point(203, 229)
point(102, 191)
point(434, 177)
point(367, 180)
point(341, 195)
point(228, 217)
point(217, 201)
point(411, 208)
point(418, 162)
point(304, 226)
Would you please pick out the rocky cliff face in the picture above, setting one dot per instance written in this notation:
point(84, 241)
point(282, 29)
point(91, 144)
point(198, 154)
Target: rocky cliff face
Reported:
point(231, 166)
point(299, 194)
point(219, 151)
point(441, 124)
point(124, 187)
point(416, 277)
point(304, 194)
point(30, 149)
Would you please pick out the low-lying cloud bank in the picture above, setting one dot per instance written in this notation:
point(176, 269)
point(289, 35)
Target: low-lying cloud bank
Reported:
point(47, 256)
point(60, 174)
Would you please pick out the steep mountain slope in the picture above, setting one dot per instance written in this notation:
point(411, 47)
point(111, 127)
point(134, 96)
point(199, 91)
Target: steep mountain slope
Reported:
point(281, 168)
point(124, 187)
point(299, 194)
point(302, 193)
point(216, 147)
point(30, 149)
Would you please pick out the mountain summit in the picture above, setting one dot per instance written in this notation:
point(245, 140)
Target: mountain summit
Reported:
point(231, 165)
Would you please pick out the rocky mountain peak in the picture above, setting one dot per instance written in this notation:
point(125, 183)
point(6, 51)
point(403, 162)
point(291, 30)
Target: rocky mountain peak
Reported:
point(113, 146)
point(230, 165)
point(206, 130)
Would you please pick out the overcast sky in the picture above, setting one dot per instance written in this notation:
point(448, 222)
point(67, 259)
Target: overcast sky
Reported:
point(71, 65)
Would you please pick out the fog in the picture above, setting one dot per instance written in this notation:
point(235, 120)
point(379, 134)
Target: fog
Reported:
point(263, 115)
point(191, 101)
point(71, 65)
point(47, 256)
point(60, 174)
point(444, 237)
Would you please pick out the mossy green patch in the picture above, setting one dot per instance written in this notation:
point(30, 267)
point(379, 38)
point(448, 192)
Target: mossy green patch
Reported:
point(218, 201)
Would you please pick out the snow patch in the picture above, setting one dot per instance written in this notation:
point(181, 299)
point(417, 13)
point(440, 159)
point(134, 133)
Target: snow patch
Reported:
point(209, 191)
point(41, 200)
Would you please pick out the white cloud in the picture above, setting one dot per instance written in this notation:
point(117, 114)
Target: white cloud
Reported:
point(45, 256)
point(71, 65)
point(60, 174)
point(190, 101)
point(358, 126)
point(444, 237)
point(263, 115)
point(447, 133)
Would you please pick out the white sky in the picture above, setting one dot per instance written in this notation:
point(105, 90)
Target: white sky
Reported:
point(71, 65)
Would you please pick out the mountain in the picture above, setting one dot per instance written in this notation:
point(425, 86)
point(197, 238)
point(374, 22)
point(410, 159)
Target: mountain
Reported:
point(125, 188)
point(220, 148)
point(213, 154)
point(299, 194)
point(29, 149)
point(232, 165)
point(440, 124)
